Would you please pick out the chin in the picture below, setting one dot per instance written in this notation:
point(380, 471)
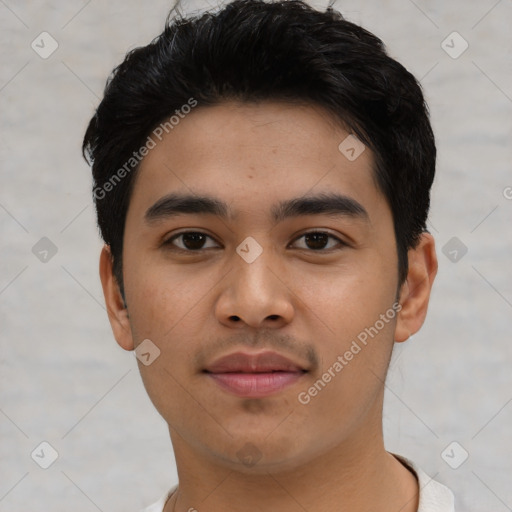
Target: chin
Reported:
point(257, 456)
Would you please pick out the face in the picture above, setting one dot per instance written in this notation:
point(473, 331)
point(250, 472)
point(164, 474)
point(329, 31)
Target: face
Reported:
point(293, 252)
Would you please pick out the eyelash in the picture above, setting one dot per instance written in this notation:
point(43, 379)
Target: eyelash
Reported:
point(168, 242)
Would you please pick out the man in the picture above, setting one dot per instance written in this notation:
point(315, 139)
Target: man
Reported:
point(262, 182)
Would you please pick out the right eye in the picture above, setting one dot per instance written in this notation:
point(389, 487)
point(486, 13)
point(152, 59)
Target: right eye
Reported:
point(192, 241)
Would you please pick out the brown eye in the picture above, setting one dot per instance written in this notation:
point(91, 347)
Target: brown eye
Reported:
point(192, 241)
point(317, 240)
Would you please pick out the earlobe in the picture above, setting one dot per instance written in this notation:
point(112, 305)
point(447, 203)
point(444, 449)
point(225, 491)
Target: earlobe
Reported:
point(415, 292)
point(116, 310)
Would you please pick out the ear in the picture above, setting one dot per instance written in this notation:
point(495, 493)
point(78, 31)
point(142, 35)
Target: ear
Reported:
point(415, 292)
point(117, 313)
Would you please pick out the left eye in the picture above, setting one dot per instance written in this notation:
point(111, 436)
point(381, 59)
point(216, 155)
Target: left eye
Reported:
point(193, 241)
point(318, 239)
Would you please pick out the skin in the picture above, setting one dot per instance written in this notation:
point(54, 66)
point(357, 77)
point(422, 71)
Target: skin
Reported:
point(295, 299)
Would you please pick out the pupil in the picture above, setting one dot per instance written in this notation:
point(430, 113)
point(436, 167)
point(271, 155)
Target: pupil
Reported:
point(197, 240)
point(317, 237)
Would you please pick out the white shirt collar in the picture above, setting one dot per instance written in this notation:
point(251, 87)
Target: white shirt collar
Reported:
point(434, 496)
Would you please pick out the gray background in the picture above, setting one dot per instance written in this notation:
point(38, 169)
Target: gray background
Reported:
point(63, 378)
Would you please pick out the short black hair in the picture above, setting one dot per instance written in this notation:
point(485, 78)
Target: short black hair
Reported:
point(256, 50)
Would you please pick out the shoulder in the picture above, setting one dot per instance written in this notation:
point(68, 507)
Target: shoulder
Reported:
point(160, 504)
point(434, 496)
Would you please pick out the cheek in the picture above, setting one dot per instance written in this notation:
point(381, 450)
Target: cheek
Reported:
point(349, 382)
point(355, 317)
point(167, 310)
point(344, 299)
point(163, 297)
point(164, 308)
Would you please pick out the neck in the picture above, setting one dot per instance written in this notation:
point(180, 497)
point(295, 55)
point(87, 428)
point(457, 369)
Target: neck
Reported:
point(355, 475)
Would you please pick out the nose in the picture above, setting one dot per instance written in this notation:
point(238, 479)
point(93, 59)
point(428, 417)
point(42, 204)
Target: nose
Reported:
point(255, 294)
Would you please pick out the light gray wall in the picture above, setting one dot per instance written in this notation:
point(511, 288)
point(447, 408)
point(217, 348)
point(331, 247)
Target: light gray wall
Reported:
point(64, 380)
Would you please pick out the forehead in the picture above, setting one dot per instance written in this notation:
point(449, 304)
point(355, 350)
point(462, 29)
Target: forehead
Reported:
point(252, 155)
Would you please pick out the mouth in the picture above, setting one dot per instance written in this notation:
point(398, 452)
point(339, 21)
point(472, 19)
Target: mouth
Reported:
point(254, 375)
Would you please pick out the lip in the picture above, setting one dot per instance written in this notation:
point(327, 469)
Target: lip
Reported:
point(254, 375)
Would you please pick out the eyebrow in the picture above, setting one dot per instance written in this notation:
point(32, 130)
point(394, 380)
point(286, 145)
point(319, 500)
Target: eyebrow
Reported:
point(331, 204)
